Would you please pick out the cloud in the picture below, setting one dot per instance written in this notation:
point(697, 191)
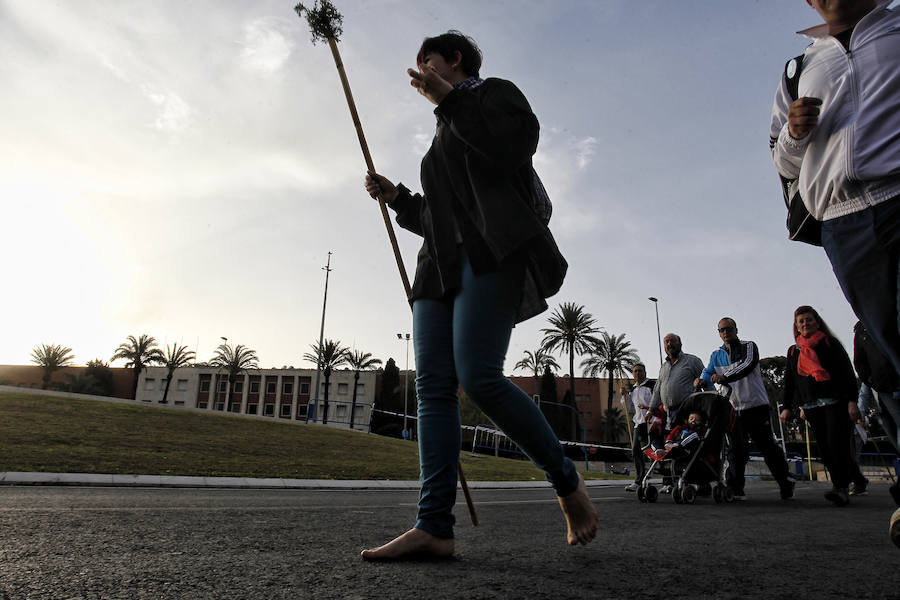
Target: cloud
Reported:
point(174, 115)
point(265, 48)
point(584, 150)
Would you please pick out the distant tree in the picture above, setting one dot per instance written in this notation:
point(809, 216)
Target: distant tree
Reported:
point(359, 361)
point(611, 353)
point(139, 353)
point(773, 369)
point(96, 380)
point(333, 355)
point(176, 358)
point(536, 362)
point(548, 400)
point(51, 358)
point(234, 361)
point(387, 400)
point(614, 424)
point(571, 330)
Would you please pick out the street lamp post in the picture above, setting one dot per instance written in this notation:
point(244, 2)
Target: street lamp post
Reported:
point(327, 268)
point(658, 335)
point(406, 435)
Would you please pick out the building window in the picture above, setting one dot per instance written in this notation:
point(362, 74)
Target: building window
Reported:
point(236, 407)
point(181, 386)
point(162, 384)
point(251, 409)
point(270, 387)
point(358, 411)
point(269, 410)
point(238, 387)
point(360, 389)
point(287, 388)
point(343, 389)
point(254, 387)
point(304, 387)
point(201, 405)
point(341, 410)
point(220, 406)
point(204, 385)
point(148, 384)
point(179, 403)
point(285, 410)
point(223, 386)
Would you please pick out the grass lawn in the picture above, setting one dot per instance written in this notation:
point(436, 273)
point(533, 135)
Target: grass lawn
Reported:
point(62, 435)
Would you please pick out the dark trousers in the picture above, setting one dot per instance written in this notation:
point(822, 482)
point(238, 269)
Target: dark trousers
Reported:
point(830, 426)
point(637, 450)
point(864, 250)
point(755, 423)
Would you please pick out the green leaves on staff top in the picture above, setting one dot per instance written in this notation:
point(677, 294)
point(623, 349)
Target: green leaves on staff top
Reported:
point(324, 20)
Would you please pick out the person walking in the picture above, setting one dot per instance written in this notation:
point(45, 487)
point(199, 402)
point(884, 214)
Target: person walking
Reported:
point(488, 261)
point(736, 363)
point(640, 395)
point(820, 382)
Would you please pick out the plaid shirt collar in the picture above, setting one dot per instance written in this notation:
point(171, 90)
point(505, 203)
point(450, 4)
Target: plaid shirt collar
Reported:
point(471, 82)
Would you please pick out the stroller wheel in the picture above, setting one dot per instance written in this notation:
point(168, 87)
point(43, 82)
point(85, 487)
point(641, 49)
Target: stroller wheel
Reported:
point(641, 494)
point(676, 494)
point(728, 494)
point(717, 494)
point(688, 494)
point(652, 493)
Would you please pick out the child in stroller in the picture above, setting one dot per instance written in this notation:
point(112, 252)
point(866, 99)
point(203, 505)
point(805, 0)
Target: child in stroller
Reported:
point(694, 455)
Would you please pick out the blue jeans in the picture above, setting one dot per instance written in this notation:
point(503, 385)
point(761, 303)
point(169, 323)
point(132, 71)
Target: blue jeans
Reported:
point(864, 250)
point(462, 341)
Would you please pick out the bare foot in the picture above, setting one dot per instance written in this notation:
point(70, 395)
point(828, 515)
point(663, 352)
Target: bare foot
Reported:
point(580, 514)
point(415, 543)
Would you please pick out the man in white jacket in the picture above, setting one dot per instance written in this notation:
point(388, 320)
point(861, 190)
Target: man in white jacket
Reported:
point(841, 140)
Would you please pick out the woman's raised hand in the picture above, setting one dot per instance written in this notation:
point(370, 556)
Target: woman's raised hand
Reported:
point(379, 186)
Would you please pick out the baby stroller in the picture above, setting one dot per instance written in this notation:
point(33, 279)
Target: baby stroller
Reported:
point(706, 464)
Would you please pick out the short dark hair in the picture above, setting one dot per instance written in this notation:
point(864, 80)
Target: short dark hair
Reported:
point(638, 364)
point(448, 44)
point(733, 322)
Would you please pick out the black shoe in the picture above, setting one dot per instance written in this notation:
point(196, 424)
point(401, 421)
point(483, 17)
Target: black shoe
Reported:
point(859, 489)
point(838, 496)
point(787, 489)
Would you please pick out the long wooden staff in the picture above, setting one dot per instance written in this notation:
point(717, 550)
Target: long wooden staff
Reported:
point(325, 23)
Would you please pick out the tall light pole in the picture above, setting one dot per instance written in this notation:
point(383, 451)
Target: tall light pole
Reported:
point(406, 435)
point(658, 335)
point(327, 268)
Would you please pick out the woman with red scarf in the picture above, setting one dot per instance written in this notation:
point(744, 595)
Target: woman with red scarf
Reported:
point(821, 382)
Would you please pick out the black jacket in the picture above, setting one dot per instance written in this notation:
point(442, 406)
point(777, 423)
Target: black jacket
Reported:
point(478, 184)
point(803, 389)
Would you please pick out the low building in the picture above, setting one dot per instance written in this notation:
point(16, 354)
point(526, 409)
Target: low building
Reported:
point(276, 393)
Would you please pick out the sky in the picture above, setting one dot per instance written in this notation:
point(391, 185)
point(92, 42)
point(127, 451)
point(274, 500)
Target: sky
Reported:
point(182, 169)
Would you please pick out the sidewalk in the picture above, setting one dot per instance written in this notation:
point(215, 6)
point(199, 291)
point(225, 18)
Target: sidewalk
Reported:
point(109, 480)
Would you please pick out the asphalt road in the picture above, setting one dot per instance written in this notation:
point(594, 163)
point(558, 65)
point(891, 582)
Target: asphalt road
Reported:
point(65, 542)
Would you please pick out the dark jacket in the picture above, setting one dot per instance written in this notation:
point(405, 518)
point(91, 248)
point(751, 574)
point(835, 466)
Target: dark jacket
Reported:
point(478, 188)
point(803, 389)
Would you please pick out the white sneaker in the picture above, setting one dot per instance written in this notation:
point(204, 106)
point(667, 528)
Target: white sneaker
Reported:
point(631, 487)
point(666, 489)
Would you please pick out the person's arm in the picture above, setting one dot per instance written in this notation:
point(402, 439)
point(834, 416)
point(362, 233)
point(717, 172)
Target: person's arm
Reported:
point(710, 369)
point(746, 366)
point(865, 400)
point(495, 120)
point(789, 387)
point(407, 205)
point(844, 374)
point(798, 116)
point(655, 398)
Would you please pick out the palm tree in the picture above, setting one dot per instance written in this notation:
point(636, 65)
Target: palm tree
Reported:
point(613, 423)
point(139, 354)
point(176, 357)
point(572, 331)
point(359, 361)
point(536, 362)
point(333, 355)
point(611, 354)
point(51, 358)
point(234, 361)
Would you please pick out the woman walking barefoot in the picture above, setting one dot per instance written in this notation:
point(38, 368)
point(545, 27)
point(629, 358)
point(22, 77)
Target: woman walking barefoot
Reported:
point(488, 261)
